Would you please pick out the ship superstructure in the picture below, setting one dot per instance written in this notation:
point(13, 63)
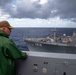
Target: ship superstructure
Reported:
point(61, 44)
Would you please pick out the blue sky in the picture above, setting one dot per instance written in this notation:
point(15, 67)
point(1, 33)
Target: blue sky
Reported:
point(39, 13)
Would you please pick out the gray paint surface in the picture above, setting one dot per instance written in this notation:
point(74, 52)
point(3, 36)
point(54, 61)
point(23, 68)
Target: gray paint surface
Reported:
point(41, 63)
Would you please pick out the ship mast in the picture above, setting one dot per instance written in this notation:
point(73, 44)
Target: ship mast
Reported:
point(54, 33)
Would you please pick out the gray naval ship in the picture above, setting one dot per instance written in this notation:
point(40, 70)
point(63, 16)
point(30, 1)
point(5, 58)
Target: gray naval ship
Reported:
point(55, 57)
point(61, 44)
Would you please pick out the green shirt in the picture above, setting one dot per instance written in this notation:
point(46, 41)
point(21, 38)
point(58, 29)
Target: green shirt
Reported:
point(9, 52)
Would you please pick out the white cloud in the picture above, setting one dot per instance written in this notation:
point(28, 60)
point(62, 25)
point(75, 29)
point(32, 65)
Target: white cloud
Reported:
point(43, 1)
point(39, 13)
point(3, 15)
point(54, 22)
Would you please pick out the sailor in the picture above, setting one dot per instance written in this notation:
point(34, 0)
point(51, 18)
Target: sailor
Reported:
point(9, 52)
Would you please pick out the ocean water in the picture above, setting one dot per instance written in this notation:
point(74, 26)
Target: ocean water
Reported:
point(18, 34)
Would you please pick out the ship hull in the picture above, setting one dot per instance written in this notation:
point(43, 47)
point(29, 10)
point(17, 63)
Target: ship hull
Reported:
point(44, 47)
